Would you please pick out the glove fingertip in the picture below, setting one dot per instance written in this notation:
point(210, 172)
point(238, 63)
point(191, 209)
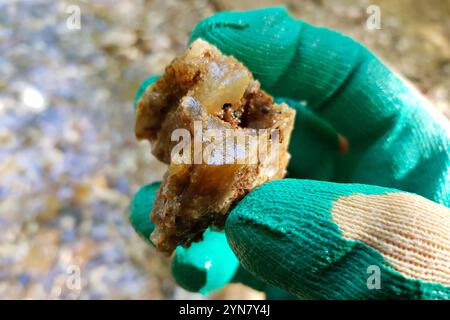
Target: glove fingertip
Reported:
point(205, 266)
point(144, 85)
point(140, 208)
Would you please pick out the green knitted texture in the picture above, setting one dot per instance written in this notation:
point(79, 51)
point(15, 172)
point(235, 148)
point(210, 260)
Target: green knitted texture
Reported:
point(282, 233)
point(394, 140)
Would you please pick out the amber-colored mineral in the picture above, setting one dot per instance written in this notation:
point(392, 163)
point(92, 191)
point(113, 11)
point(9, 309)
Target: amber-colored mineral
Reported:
point(204, 92)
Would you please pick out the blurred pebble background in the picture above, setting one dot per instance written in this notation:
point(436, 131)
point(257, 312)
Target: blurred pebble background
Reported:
point(69, 162)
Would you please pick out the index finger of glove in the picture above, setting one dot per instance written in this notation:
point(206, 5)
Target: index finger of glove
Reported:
point(394, 137)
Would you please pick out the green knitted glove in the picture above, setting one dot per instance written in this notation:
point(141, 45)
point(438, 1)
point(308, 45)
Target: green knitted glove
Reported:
point(357, 124)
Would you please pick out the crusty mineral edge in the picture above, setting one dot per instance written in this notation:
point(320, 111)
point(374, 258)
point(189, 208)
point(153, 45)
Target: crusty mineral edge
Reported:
point(219, 92)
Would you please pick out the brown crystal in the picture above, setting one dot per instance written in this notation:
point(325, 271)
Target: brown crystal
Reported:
point(204, 86)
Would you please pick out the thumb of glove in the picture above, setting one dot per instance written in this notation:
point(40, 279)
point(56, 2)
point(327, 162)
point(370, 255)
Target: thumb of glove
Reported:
point(325, 240)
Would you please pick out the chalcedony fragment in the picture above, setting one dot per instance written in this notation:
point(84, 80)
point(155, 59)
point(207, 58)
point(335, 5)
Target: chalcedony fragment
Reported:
point(204, 92)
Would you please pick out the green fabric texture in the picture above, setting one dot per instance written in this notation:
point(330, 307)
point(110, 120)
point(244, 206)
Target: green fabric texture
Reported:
point(395, 140)
point(281, 232)
point(319, 138)
point(273, 293)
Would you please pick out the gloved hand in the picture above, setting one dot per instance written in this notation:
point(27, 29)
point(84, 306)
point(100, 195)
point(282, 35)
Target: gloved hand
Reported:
point(381, 229)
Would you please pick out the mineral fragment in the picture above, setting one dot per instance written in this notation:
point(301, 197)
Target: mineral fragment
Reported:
point(220, 134)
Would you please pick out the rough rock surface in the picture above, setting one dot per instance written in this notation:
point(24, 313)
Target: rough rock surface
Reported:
point(200, 91)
